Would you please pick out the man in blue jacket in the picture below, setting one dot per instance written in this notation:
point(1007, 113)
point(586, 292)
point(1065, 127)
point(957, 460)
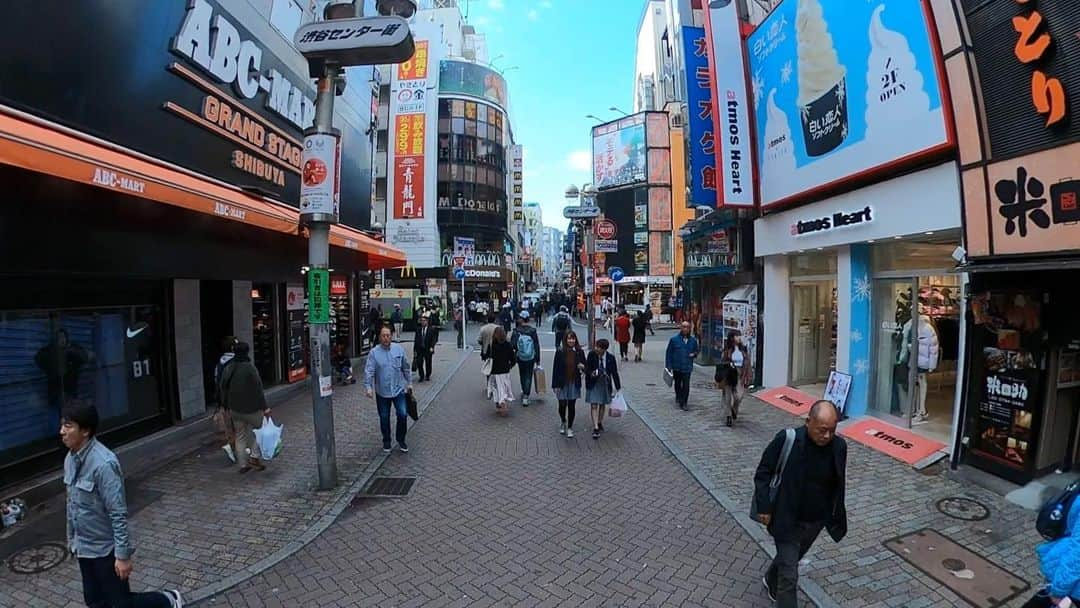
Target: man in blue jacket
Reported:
point(681, 352)
point(1059, 561)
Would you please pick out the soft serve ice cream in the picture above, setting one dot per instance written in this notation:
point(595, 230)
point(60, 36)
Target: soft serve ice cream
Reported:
point(779, 147)
point(896, 99)
point(822, 81)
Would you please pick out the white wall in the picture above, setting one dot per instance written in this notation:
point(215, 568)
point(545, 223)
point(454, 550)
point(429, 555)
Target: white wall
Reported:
point(843, 309)
point(776, 318)
point(647, 62)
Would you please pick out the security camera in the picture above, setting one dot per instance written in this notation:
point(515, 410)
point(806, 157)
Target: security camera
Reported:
point(959, 254)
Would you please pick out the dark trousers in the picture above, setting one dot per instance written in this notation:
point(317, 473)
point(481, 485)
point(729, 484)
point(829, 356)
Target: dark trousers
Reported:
point(423, 364)
point(525, 374)
point(783, 573)
point(624, 349)
point(682, 387)
point(567, 409)
point(102, 588)
point(398, 403)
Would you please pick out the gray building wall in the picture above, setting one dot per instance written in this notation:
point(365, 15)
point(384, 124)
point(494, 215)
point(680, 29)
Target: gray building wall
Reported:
point(187, 330)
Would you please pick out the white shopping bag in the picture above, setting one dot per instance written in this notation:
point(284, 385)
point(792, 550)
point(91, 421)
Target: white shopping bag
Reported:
point(618, 406)
point(268, 437)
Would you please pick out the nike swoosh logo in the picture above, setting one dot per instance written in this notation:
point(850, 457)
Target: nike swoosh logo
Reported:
point(132, 334)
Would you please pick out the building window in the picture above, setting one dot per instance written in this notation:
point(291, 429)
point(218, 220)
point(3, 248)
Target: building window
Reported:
point(286, 17)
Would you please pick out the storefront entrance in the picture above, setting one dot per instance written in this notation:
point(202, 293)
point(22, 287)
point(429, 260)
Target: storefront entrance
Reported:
point(813, 331)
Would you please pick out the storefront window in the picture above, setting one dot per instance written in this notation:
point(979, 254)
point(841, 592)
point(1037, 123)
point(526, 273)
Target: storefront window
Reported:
point(264, 332)
point(816, 263)
point(911, 255)
point(110, 357)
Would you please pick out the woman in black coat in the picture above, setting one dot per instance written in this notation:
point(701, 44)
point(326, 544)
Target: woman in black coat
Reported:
point(601, 383)
point(640, 323)
point(503, 359)
point(566, 371)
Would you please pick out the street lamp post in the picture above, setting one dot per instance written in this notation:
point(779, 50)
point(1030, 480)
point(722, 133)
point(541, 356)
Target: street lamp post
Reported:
point(586, 197)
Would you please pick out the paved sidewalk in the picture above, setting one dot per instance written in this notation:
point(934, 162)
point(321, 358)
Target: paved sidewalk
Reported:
point(197, 523)
point(886, 498)
point(507, 512)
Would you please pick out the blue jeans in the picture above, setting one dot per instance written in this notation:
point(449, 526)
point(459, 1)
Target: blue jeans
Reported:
point(384, 404)
point(525, 369)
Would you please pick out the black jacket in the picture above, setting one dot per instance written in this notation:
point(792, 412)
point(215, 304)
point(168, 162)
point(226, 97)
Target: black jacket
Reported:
point(639, 324)
point(502, 355)
point(786, 512)
point(558, 367)
point(612, 366)
point(240, 387)
point(425, 345)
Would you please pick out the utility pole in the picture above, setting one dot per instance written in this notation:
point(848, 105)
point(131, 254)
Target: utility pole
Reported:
point(321, 180)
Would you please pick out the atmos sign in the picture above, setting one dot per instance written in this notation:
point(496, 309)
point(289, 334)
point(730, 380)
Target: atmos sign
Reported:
point(831, 222)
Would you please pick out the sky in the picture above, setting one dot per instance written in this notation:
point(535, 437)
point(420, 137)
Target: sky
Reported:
point(573, 58)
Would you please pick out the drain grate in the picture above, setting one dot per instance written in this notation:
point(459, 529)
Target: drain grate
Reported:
point(389, 487)
point(38, 558)
point(958, 507)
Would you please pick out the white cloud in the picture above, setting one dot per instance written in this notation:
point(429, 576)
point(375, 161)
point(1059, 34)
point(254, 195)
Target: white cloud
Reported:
point(546, 4)
point(481, 21)
point(496, 5)
point(533, 15)
point(579, 160)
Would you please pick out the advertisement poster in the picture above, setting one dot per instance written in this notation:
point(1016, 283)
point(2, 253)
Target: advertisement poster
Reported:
point(641, 255)
point(1009, 396)
point(853, 88)
point(659, 209)
point(660, 166)
point(731, 105)
point(467, 78)
point(641, 216)
point(837, 389)
point(619, 154)
point(295, 307)
point(700, 137)
point(657, 267)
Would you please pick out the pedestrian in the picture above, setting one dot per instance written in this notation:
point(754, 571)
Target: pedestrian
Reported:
point(501, 354)
point(374, 323)
point(733, 375)
point(424, 347)
point(566, 372)
point(398, 322)
point(387, 377)
point(242, 389)
point(561, 324)
point(221, 415)
point(526, 345)
point(682, 349)
point(1059, 560)
point(506, 317)
point(97, 516)
point(648, 319)
point(810, 497)
point(343, 365)
point(601, 383)
point(622, 334)
point(639, 325)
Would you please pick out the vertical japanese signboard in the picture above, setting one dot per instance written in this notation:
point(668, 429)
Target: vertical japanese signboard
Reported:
point(701, 139)
point(516, 162)
point(410, 134)
point(731, 108)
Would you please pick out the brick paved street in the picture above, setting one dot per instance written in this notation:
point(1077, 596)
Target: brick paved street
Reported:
point(205, 523)
point(886, 498)
point(507, 512)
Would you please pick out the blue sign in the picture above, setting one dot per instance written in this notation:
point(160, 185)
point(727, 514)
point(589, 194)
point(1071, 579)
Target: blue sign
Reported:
point(616, 273)
point(700, 88)
point(854, 88)
point(459, 273)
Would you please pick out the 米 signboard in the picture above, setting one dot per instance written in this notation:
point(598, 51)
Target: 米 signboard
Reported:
point(619, 153)
point(852, 90)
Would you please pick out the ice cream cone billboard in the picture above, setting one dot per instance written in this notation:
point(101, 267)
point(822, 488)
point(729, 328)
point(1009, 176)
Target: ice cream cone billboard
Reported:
point(843, 89)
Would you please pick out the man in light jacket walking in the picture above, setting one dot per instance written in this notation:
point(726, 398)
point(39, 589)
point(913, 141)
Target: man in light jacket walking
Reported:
point(387, 377)
point(810, 497)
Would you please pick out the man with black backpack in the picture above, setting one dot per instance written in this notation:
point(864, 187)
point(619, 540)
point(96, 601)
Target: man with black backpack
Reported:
point(1059, 559)
point(799, 489)
point(526, 345)
point(560, 325)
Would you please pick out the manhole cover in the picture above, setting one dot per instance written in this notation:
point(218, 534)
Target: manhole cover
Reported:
point(38, 558)
point(963, 508)
point(389, 487)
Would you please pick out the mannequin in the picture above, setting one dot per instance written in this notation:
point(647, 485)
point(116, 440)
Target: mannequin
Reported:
point(929, 353)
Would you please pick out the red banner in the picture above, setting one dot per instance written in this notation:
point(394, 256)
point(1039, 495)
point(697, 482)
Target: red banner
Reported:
point(339, 286)
point(409, 187)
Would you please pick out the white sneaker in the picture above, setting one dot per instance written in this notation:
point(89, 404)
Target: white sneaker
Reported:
point(569, 433)
point(229, 452)
point(524, 401)
point(562, 428)
point(175, 601)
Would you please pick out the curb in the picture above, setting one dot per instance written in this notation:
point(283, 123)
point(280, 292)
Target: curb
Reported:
point(812, 590)
point(336, 509)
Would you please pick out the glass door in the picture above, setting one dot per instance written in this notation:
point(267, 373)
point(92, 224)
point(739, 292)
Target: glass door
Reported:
point(810, 333)
point(894, 337)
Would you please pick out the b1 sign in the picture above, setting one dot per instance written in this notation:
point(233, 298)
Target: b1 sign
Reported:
point(319, 185)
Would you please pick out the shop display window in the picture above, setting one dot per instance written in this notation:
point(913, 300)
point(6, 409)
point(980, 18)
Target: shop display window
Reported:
point(810, 264)
point(110, 357)
point(264, 332)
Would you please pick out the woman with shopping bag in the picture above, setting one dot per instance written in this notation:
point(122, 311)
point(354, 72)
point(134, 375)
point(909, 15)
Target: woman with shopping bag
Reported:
point(241, 390)
point(733, 375)
point(566, 371)
point(601, 383)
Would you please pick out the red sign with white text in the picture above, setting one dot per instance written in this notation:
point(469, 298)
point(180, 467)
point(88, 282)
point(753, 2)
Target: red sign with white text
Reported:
point(339, 286)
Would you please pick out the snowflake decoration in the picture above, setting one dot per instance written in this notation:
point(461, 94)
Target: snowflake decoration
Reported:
point(785, 73)
point(856, 336)
point(759, 88)
point(841, 90)
point(861, 367)
point(862, 289)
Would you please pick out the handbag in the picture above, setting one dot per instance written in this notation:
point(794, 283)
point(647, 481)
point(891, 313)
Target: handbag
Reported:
point(618, 406)
point(539, 380)
point(669, 378)
point(487, 366)
point(411, 407)
point(778, 476)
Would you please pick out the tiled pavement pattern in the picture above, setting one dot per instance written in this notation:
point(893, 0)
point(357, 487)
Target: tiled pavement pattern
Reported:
point(212, 523)
point(506, 512)
point(886, 498)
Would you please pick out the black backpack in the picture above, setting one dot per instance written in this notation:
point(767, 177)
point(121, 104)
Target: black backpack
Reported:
point(1052, 522)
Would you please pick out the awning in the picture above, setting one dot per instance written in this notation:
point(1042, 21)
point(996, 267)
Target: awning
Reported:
point(30, 143)
point(1020, 266)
